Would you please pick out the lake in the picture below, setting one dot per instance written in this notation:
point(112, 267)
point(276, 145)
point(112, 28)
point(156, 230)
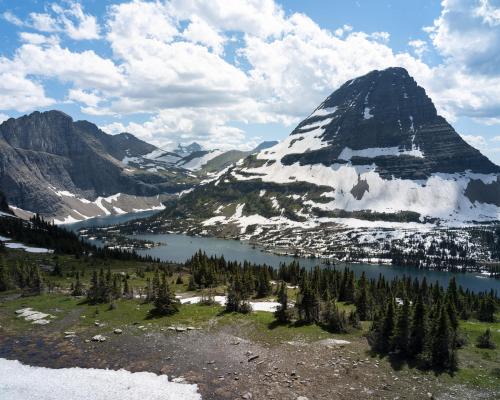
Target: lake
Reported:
point(179, 248)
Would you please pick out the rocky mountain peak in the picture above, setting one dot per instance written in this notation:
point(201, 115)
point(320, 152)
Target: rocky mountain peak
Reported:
point(383, 118)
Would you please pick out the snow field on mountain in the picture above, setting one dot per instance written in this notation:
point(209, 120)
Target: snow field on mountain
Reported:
point(347, 153)
point(198, 162)
point(297, 143)
point(441, 195)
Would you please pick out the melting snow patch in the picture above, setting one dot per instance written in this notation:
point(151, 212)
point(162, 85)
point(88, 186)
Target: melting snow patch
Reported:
point(27, 248)
point(19, 381)
point(372, 152)
point(268, 306)
point(367, 113)
point(333, 342)
point(36, 317)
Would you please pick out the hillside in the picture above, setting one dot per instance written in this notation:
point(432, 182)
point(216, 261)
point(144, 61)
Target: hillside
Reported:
point(71, 170)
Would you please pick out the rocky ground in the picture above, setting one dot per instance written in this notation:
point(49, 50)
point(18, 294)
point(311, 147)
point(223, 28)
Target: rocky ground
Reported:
point(226, 364)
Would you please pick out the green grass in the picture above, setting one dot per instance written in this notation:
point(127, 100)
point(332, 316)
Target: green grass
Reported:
point(479, 367)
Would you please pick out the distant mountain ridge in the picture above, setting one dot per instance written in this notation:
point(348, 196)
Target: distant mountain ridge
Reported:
point(56, 166)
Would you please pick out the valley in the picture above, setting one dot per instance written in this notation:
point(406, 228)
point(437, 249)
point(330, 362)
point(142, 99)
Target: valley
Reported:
point(361, 254)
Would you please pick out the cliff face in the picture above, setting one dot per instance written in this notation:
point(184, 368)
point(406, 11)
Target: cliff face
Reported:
point(387, 110)
point(45, 157)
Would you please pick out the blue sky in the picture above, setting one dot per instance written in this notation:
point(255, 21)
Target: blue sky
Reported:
point(232, 73)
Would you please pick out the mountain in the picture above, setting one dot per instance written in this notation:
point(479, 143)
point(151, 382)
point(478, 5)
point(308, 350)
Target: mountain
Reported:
point(229, 157)
point(4, 206)
point(210, 161)
point(186, 150)
point(375, 149)
point(71, 170)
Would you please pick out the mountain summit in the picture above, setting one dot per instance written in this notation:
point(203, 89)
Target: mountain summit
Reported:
point(375, 149)
point(384, 118)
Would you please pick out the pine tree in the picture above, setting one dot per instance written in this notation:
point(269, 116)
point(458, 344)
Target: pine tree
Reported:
point(485, 341)
point(5, 280)
point(386, 328)
point(165, 302)
point(487, 310)
point(93, 291)
point(308, 304)
point(443, 353)
point(233, 300)
point(401, 338)
point(77, 287)
point(281, 313)
point(418, 332)
point(191, 284)
point(264, 286)
point(362, 302)
point(333, 319)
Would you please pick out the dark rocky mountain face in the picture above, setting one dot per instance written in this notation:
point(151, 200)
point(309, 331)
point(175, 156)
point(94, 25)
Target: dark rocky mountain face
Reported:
point(4, 206)
point(387, 109)
point(42, 154)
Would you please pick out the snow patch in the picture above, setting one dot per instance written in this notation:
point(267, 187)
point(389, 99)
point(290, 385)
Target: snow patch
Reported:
point(347, 153)
point(19, 381)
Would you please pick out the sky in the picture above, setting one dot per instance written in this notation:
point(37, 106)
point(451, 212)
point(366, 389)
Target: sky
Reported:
point(232, 73)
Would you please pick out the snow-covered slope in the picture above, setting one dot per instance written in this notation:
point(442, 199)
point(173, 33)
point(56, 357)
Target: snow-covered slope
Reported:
point(375, 149)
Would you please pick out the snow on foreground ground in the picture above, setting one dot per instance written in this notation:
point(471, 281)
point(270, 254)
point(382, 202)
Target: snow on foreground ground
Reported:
point(24, 382)
point(268, 306)
point(29, 249)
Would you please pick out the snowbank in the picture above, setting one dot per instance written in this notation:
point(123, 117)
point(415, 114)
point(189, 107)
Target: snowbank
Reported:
point(13, 245)
point(23, 382)
point(268, 306)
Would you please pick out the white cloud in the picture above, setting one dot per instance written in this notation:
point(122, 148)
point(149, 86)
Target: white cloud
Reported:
point(18, 92)
point(90, 99)
point(199, 31)
point(465, 34)
point(71, 21)
point(170, 127)
point(260, 18)
point(3, 117)
point(9, 17)
point(85, 69)
point(419, 47)
point(477, 141)
point(36, 38)
point(488, 12)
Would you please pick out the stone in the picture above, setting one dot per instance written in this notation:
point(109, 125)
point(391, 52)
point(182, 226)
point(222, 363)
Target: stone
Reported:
point(98, 338)
point(118, 331)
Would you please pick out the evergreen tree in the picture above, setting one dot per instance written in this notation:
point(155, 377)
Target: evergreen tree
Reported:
point(362, 302)
point(5, 280)
point(485, 341)
point(308, 304)
point(487, 309)
point(443, 352)
point(333, 319)
point(401, 337)
point(165, 302)
point(386, 328)
point(418, 332)
point(281, 313)
point(93, 292)
point(77, 287)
